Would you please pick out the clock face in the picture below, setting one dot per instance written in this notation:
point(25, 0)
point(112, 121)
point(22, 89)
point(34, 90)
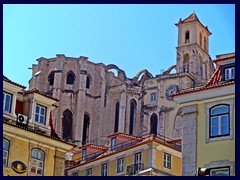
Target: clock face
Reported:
point(171, 90)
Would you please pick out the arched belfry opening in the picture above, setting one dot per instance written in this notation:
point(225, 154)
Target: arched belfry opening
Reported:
point(86, 125)
point(67, 121)
point(133, 108)
point(187, 36)
point(51, 78)
point(70, 77)
point(153, 124)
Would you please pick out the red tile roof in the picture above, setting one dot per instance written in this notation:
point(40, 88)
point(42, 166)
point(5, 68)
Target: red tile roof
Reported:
point(214, 81)
point(38, 92)
point(123, 135)
point(8, 80)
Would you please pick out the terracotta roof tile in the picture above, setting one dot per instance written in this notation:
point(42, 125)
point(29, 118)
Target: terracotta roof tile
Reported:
point(38, 92)
point(8, 80)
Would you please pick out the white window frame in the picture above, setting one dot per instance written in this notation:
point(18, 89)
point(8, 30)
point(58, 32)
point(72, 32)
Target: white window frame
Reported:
point(167, 160)
point(229, 73)
point(5, 94)
point(6, 151)
point(37, 161)
point(153, 96)
point(40, 115)
point(120, 165)
point(219, 118)
point(138, 161)
point(89, 172)
point(104, 169)
point(113, 144)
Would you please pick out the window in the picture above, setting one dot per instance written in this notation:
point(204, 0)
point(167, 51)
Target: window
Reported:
point(153, 96)
point(138, 162)
point(120, 165)
point(200, 39)
point(205, 43)
point(116, 117)
point(84, 153)
point(200, 66)
point(88, 83)
point(70, 78)
point(5, 152)
point(113, 144)
point(167, 160)
point(186, 63)
point(187, 37)
point(229, 73)
point(104, 169)
point(220, 172)
point(89, 172)
point(154, 122)
point(51, 78)
point(37, 162)
point(132, 115)
point(40, 114)
point(7, 98)
point(86, 123)
point(219, 121)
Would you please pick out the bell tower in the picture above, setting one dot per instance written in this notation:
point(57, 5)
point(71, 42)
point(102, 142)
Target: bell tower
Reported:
point(193, 49)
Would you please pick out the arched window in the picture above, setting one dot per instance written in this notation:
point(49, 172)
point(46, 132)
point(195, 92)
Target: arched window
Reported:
point(51, 78)
point(133, 105)
point(70, 78)
point(186, 63)
point(200, 66)
point(200, 39)
point(205, 43)
point(88, 83)
point(219, 121)
point(116, 117)
point(37, 162)
point(5, 152)
point(187, 36)
point(205, 65)
point(86, 123)
point(67, 124)
point(154, 123)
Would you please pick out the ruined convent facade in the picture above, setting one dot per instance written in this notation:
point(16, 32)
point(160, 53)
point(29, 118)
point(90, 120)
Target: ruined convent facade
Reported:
point(94, 102)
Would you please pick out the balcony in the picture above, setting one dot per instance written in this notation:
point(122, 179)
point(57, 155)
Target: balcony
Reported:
point(134, 168)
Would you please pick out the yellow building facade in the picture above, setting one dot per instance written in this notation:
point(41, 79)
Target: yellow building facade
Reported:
point(127, 155)
point(30, 145)
point(209, 111)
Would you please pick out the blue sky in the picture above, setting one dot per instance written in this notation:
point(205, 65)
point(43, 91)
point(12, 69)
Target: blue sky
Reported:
point(132, 36)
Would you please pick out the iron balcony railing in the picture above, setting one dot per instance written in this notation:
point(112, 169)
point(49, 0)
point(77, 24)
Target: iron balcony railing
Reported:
point(134, 168)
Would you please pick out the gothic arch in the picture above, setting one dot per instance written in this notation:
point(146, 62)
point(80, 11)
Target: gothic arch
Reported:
point(67, 121)
point(88, 81)
point(121, 73)
point(145, 75)
point(168, 71)
point(153, 124)
point(116, 117)
point(51, 78)
point(133, 112)
point(186, 62)
point(187, 36)
point(70, 77)
point(86, 128)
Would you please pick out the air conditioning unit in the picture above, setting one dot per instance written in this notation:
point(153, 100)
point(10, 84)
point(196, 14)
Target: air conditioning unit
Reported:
point(22, 119)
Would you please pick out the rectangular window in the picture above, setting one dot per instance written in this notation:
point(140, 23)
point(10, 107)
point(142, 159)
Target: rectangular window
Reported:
point(153, 96)
point(138, 162)
point(167, 160)
point(89, 172)
point(113, 144)
point(7, 101)
point(5, 152)
point(229, 73)
point(120, 165)
point(220, 172)
point(104, 169)
point(37, 162)
point(40, 114)
point(185, 68)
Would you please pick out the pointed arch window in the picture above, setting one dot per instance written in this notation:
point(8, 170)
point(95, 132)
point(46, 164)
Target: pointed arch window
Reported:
point(200, 66)
point(133, 105)
point(70, 78)
point(187, 36)
point(116, 117)
point(186, 63)
point(67, 124)
point(86, 123)
point(88, 83)
point(205, 43)
point(154, 123)
point(51, 78)
point(200, 39)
